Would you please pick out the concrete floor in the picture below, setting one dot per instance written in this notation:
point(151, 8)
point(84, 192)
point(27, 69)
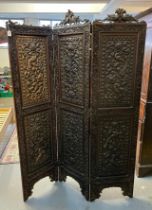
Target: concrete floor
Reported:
point(67, 196)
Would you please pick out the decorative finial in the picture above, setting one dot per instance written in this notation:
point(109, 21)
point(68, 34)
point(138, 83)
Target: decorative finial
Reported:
point(70, 19)
point(120, 16)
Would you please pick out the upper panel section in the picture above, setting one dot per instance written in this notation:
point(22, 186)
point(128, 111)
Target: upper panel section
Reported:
point(72, 53)
point(72, 68)
point(115, 62)
point(117, 57)
point(33, 60)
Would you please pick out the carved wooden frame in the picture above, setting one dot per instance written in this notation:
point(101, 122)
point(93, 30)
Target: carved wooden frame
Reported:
point(48, 169)
point(125, 181)
point(90, 182)
point(82, 109)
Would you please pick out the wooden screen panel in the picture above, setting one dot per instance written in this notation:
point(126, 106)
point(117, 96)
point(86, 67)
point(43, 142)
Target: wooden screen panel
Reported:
point(72, 66)
point(33, 83)
point(37, 136)
point(32, 60)
point(113, 143)
point(116, 84)
point(116, 81)
point(72, 140)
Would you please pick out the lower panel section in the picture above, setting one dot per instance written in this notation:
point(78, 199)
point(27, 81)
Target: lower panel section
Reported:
point(112, 140)
point(72, 140)
point(113, 146)
point(73, 143)
point(38, 140)
point(37, 148)
point(73, 152)
point(111, 159)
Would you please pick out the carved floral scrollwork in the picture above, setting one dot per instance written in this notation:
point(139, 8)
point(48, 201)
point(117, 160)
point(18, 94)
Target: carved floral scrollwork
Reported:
point(32, 60)
point(116, 75)
point(72, 128)
point(71, 63)
point(37, 135)
point(116, 86)
point(114, 141)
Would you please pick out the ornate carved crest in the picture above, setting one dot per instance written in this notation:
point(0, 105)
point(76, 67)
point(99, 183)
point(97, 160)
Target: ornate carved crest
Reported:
point(11, 23)
point(70, 19)
point(120, 16)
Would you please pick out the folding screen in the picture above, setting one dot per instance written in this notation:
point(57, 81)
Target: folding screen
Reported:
point(77, 90)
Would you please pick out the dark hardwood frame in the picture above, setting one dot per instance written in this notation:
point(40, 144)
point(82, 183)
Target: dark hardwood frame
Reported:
point(78, 114)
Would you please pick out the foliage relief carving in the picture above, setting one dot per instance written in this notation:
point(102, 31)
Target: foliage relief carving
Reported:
point(72, 69)
point(114, 141)
point(72, 129)
point(116, 76)
point(32, 60)
point(38, 137)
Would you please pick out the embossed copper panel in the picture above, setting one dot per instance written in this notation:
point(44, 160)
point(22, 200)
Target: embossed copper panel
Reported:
point(30, 51)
